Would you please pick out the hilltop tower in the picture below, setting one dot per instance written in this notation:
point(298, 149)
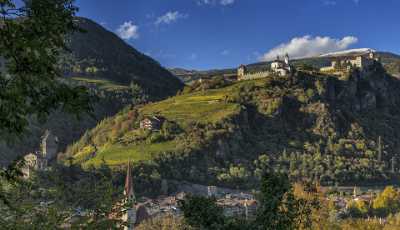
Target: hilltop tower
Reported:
point(242, 70)
point(129, 216)
point(287, 59)
point(49, 145)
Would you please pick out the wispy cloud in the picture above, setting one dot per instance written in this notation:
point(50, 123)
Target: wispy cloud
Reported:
point(225, 52)
point(128, 30)
point(308, 46)
point(170, 17)
point(227, 2)
point(193, 57)
point(215, 2)
point(329, 2)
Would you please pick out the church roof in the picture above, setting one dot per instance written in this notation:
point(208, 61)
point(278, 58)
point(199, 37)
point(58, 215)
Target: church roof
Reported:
point(141, 214)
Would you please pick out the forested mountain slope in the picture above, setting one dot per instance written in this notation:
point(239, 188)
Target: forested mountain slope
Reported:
point(103, 54)
point(107, 65)
point(320, 127)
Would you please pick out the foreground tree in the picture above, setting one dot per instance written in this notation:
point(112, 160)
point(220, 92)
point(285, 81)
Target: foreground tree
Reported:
point(32, 39)
point(202, 212)
point(278, 209)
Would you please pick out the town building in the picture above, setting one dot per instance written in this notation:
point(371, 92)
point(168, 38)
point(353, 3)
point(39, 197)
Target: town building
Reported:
point(362, 62)
point(237, 207)
point(39, 160)
point(212, 191)
point(152, 123)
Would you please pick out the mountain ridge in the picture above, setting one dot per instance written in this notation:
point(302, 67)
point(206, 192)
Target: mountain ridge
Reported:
point(391, 62)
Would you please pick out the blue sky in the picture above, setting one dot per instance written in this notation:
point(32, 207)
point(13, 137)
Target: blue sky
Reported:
point(208, 34)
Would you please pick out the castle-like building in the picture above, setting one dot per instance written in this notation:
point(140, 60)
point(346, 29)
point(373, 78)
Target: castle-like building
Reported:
point(281, 67)
point(278, 66)
point(346, 63)
point(39, 160)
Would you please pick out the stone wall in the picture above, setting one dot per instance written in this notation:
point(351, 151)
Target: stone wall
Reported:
point(252, 76)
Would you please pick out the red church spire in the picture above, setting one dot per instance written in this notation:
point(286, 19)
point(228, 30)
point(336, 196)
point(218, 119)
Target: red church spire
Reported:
point(128, 190)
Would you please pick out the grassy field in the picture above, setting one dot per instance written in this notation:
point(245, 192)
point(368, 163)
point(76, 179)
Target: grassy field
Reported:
point(204, 107)
point(118, 154)
point(101, 83)
point(201, 107)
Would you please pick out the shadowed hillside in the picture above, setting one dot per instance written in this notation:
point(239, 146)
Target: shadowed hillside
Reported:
point(102, 54)
point(105, 64)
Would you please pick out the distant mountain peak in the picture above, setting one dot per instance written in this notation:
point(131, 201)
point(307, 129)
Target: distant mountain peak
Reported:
point(348, 52)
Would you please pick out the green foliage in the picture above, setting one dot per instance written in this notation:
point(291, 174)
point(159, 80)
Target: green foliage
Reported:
point(31, 47)
point(138, 95)
point(202, 212)
point(388, 202)
point(358, 209)
point(278, 209)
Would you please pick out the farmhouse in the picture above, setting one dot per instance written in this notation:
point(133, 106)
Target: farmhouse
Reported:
point(152, 123)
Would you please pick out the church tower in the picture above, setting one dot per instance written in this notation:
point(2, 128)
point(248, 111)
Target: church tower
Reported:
point(242, 70)
point(49, 145)
point(129, 216)
point(287, 59)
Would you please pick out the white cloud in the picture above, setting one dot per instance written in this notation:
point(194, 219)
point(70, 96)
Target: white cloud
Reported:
point(128, 30)
point(193, 56)
point(225, 52)
point(329, 2)
point(308, 46)
point(227, 2)
point(170, 17)
point(214, 2)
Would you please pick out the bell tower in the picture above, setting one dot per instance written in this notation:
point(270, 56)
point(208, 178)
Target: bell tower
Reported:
point(287, 59)
point(129, 216)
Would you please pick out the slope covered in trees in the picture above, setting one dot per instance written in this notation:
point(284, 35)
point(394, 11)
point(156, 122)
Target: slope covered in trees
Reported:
point(319, 127)
point(106, 65)
point(102, 54)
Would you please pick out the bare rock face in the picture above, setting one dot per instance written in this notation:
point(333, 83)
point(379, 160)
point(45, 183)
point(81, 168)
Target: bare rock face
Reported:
point(222, 150)
point(368, 101)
